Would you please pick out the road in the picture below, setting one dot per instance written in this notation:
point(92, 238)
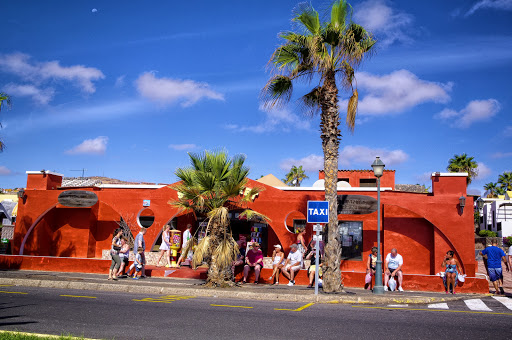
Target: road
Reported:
point(108, 315)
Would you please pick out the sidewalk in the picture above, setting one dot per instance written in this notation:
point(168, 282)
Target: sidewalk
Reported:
point(193, 287)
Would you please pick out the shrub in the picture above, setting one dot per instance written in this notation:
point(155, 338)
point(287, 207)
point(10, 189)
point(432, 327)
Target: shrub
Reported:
point(507, 241)
point(487, 233)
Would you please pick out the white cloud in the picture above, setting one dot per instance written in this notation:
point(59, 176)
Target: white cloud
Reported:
point(475, 111)
point(483, 171)
point(309, 163)
point(181, 147)
point(120, 81)
point(397, 92)
point(384, 22)
point(349, 156)
point(275, 119)
point(4, 171)
point(21, 65)
point(501, 155)
point(494, 4)
point(94, 10)
point(169, 91)
point(508, 131)
point(96, 146)
point(365, 156)
point(41, 96)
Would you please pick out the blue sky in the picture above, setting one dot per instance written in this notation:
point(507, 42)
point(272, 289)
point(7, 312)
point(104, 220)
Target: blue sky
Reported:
point(125, 89)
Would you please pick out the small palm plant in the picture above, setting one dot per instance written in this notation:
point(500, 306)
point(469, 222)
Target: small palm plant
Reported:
point(295, 176)
point(210, 187)
point(463, 163)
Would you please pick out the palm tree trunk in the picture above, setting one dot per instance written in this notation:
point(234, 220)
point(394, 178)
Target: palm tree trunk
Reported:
point(218, 276)
point(330, 135)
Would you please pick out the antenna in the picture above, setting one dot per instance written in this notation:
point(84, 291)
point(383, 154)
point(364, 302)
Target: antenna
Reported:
point(83, 171)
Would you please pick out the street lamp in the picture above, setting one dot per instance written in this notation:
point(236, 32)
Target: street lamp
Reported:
point(378, 169)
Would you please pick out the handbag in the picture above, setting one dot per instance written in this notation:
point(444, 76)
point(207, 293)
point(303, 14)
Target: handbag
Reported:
point(368, 278)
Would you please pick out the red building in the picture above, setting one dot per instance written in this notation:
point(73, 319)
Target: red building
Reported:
point(422, 226)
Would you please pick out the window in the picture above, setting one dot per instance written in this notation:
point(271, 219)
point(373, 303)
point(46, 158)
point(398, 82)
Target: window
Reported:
point(351, 237)
point(343, 179)
point(298, 224)
point(368, 182)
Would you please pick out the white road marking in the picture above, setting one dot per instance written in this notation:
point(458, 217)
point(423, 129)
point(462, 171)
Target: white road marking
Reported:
point(504, 300)
point(439, 306)
point(404, 305)
point(477, 304)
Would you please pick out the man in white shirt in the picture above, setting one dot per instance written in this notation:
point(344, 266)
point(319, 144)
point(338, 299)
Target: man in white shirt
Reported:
point(293, 263)
point(393, 267)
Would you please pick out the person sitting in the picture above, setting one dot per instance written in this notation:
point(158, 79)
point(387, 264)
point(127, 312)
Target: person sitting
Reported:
point(452, 271)
point(293, 264)
point(253, 260)
point(393, 268)
point(312, 267)
point(277, 263)
point(240, 259)
point(371, 266)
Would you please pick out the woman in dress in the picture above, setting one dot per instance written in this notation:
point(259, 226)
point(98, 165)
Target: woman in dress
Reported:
point(114, 253)
point(371, 266)
point(277, 263)
point(301, 244)
point(165, 246)
point(452, 270)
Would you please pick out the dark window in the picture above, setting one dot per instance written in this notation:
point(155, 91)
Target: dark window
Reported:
point(498, 226)
point(351, 237)
point(343, 179)
point(368, 182)
point(298, 224)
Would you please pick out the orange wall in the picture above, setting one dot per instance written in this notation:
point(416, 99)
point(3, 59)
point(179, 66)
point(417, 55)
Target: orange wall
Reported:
point(387, 179)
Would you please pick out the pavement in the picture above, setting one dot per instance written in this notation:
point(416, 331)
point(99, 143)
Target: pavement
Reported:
point(195, 287)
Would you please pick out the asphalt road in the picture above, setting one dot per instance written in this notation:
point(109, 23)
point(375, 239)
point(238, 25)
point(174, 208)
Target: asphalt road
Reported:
point(105, 315)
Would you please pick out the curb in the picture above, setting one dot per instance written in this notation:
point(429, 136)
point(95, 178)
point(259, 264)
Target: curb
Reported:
point(231, 294)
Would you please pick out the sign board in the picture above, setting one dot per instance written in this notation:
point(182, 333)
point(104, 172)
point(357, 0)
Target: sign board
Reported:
point(317, 227)
point(318, 212)
point(356, 204)
point(146, 203)
point(77, 198)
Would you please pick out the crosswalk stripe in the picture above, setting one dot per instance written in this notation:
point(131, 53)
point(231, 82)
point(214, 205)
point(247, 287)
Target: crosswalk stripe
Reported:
point(438, 306)
point(505, 301)
point(477, 304)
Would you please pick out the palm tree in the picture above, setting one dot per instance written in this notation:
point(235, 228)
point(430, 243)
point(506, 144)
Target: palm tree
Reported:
point(295, 176)
point(491, 189)
point(463, 163)
point(505, 181)
point(324, 52)
point(210, 187)
point(4, 99)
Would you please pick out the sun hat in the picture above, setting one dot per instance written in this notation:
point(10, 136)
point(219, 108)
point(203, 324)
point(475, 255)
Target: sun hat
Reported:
point(277, 246)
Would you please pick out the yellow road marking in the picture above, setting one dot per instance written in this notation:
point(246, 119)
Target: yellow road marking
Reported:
point(6, 285)
point(165, 299)
point(229, 306)
point(298, 309)
point(436, 310)
point(4, 291)
point(78, 296)
point(39, 335)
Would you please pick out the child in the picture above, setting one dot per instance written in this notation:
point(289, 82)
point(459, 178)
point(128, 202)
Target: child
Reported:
point(139, 264)
point(124, 255)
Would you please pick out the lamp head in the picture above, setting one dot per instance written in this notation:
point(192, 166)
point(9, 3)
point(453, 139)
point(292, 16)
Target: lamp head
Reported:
point(378, 167)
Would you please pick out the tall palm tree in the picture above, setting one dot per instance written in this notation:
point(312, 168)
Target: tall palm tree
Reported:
point(327, 53)
point(463, 163)
point(295, 176)
point(6, 100)
point(211, 186)
point(491, 189)
point(505, 180)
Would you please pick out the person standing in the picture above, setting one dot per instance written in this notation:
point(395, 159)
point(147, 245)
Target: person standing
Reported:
point(301, 244)
point(141, 243)
point(165, 247)
point(495, 256)
point(114, 253)
point(393, 266)
point(187, 237)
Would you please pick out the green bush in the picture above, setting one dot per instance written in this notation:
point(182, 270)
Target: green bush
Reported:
point(487, 233)
point(507, 241)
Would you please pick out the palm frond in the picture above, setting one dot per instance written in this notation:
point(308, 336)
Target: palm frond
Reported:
point(352, 110)
point(339, 12)
point(309, 103)
point(252, 215)
point(226, 252)
point(218, 215)
point(277, 91)
point(202, 251)
point(307, 18)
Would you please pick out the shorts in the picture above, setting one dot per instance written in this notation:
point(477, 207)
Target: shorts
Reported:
point(313, 267)
point(294, 268)
point(137, 269)
point(495, 274)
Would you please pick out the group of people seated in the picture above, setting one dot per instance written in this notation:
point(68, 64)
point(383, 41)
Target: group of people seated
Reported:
point(287, 265)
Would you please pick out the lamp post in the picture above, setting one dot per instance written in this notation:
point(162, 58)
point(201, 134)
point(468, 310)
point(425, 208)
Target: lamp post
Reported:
point(378, 169)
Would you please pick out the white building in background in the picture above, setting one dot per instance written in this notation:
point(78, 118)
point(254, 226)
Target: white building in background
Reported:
point(496, 214)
